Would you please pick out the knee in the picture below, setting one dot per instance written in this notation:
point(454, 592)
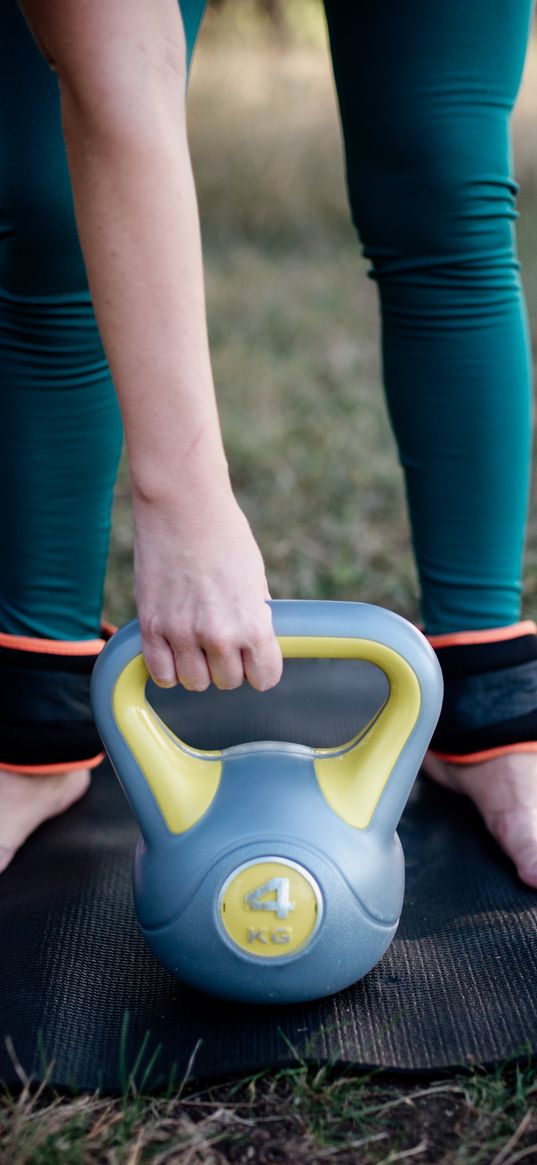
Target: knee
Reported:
point(433, 194)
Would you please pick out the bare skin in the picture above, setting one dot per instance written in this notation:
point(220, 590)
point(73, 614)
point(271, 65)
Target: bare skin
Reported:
point(504, 790)
point(28, 800)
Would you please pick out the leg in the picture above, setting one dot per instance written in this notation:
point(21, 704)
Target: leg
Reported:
point(60, 436)
point(426, 93)
point(60, 441)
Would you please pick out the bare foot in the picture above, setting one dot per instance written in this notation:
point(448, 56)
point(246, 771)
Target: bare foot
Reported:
point(504, 791)
point(26, 800)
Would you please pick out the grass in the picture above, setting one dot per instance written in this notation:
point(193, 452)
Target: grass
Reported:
point(294, 331)
point(283, 1117)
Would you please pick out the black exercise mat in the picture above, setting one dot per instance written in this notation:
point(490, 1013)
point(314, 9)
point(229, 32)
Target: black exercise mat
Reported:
point(80, 990)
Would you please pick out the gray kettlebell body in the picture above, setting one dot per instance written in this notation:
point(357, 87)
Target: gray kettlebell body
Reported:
point(283, 880)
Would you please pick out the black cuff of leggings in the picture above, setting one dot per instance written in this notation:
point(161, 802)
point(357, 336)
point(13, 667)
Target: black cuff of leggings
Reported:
point(490, 692)
point(46, 723)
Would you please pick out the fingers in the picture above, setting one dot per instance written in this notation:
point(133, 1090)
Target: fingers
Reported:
point(226, 666)
point(158, 657)
point(252, 655)
point(225, 660)
point(262, 661)
point(184, 663)
point(192, 670)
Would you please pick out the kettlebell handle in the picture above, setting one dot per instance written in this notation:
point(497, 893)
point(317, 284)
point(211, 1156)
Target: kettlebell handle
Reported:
point(353, 777)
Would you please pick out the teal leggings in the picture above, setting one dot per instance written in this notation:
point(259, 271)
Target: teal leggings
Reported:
point(426, 91)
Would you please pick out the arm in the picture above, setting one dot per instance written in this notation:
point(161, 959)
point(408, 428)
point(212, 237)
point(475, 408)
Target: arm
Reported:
point(199, 578)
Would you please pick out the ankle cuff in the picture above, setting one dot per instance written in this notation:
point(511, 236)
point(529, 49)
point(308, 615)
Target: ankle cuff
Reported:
point(490, 693)
point(46, 724)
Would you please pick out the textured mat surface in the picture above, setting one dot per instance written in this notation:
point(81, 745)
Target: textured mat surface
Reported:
point(81, 992)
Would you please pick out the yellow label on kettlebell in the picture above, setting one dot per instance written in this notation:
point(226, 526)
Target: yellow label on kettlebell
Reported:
point(270, 908)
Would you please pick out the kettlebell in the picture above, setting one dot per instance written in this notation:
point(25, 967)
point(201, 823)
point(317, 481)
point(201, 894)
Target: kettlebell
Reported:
point(272, 872)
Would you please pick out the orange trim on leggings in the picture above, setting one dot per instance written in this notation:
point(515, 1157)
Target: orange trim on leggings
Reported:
point(108, 628)
point(490, 635)
point(475, 758)
point(45, 770)
point(51, 646)
point(56, 646)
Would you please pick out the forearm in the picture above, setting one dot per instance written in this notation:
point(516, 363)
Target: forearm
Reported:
point(138, 226)
point(121, 71)
point(199, 578)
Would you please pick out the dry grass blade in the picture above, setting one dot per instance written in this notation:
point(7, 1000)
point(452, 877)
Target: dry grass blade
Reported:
point(193, 1141)
point(502, 1157)
point(410, 1098)
point(523, 1154)
point(405, 1153)
point(134, 1157)
point(188, 1070)
point(330, 1153)
point(21, 1074)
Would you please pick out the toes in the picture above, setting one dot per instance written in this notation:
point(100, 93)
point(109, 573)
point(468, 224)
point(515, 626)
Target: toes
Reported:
point(528, 875)
point(6, 855)
point(516, 832)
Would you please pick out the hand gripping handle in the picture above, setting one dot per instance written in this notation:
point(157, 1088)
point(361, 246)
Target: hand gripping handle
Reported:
point(372, 774)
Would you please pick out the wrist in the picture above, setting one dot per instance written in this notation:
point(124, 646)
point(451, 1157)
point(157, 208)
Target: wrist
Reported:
point(182, 488)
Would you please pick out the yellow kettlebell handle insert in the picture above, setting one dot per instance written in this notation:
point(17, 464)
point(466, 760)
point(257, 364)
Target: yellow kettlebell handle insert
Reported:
point(183, 780)
point(352, 776)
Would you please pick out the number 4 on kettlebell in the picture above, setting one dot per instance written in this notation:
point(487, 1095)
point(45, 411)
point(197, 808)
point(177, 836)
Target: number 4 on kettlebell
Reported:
point(281, 904)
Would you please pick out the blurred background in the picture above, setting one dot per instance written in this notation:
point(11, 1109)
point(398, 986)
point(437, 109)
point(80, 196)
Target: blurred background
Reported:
point(293, 317)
